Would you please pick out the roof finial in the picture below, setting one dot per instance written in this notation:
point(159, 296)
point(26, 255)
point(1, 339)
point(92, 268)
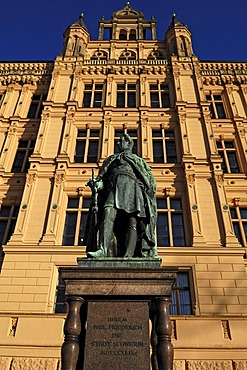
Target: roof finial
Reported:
point(174, 18)
point(128, 3)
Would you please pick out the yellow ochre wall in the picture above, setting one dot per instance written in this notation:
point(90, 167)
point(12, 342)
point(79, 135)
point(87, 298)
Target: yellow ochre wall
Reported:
point(31, 334)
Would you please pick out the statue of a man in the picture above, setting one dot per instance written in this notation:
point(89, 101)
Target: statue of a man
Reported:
point(126, 209)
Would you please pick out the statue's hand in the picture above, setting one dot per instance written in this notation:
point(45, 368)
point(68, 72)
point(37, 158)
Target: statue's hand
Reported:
point(95, 185)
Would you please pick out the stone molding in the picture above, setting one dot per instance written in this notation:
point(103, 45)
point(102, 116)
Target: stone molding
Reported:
point(25, 363)
point(26, 73)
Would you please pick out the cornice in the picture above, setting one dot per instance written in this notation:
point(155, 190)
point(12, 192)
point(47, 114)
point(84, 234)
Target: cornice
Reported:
point(217, 73)
point(34, 73)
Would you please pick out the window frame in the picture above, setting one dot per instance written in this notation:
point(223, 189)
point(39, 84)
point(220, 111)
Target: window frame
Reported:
point(12, 216)
point(60, 305)
point(169, 211)
point(126, 93)
point(240, 222)
point(164, 139)
point(214, 104)
point(88, 139)
point(79, 211)
point(223, 152)
point(29, 149)
point(40, 98)
point(93, 91)
point(160, 92)
point(176, 292)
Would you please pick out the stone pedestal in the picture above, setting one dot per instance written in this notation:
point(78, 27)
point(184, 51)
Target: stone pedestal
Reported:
point(109, 316)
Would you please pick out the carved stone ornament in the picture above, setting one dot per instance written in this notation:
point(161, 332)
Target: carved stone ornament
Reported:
point(219, 179)
point(179, 365)
point(59, 178)
point(31, 177)
point(191, 178)
point(14, 322)
point(5, 363)
point(25, 73)
point(209, 365)
point(20, 363)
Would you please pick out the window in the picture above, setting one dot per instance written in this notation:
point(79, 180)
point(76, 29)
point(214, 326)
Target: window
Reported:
point(155, 55)
point(128, 55)
point(170, 224)
point(8, 216)
point(164, 147)
point(181, 297)
point(123, 35)
point(239, 221)
point(131, 132)
point(36, 106)
point(99, 55)
point(75, 222)
point(93, 94)
point(216, 106)
point(87, 145)
point(132, 35)
point(159, 96)
point(24, 151)
point(60, 303)
point(126, 95)
point(227, 151)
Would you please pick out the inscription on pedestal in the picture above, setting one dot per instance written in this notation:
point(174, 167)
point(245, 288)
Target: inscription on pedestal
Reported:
point(117, 336)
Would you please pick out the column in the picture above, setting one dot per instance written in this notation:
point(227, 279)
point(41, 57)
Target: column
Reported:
point(163, 328)
point(72, 330)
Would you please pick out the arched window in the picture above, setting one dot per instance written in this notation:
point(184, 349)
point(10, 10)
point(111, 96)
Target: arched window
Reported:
point(123, 35)
point(100, 55)
point(155, 55)
point(128, 55)
point(132, 35)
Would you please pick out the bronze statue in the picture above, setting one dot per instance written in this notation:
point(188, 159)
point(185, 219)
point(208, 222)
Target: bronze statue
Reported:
point(123, 213)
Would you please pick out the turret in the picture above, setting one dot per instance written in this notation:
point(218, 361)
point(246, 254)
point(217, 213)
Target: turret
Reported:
point(76, 38)
point(178, 38)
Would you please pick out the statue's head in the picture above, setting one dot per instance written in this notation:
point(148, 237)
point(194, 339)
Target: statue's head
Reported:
point(126, 143)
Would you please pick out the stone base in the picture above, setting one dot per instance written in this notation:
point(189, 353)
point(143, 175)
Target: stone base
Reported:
point(118, 262)
point(107, 326)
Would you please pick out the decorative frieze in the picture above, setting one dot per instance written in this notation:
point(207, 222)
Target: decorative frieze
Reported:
point(20, 363)
point(209, 365)
point(5, 363)
point(25, 73)
point(227, 73)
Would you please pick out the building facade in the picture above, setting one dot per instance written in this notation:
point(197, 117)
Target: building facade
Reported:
point(59, 119)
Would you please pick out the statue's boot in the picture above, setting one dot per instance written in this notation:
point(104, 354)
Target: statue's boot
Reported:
point(131, 238)
point(97, 254)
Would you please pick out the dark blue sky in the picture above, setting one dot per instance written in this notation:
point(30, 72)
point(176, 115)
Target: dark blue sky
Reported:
point(32, 30)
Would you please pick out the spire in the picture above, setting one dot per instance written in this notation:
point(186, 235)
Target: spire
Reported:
point(80, 22)
point(175, 22)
